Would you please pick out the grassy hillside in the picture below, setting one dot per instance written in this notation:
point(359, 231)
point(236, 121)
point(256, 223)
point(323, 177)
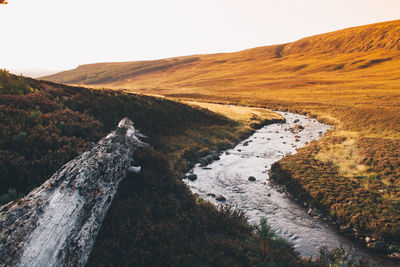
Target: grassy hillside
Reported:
point(356, 68)
point(43, 125)
point(348, 78)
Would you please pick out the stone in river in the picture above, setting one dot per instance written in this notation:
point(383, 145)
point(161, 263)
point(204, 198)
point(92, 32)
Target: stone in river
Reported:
point(192, 177)
point(220, 198)
point(252, 179)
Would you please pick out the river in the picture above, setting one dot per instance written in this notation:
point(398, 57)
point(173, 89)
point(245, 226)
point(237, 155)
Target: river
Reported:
point(253, 157)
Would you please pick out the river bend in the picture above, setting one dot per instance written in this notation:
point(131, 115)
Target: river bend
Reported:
point(253, 157)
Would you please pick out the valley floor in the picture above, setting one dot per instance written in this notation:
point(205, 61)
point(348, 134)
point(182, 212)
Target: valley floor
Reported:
point(352, 174)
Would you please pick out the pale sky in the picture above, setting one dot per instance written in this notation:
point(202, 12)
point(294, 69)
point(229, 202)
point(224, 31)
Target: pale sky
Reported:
point(56, 35)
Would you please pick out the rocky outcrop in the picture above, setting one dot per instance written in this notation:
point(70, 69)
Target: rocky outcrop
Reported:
point(57, 223)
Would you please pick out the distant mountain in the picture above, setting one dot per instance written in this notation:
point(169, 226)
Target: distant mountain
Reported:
point(359, 52)
point(33, 73)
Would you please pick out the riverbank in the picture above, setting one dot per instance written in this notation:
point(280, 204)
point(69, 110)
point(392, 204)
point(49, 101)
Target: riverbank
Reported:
point(317, 186)
point(205, 143)
point(331, 155)
point(360, 162)
point(239, 178)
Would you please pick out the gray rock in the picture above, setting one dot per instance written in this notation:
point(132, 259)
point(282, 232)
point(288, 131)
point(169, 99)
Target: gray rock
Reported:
point(203, 162)
point(192, 177)
point(211, 195)
point(216, 157)
point(134, 169)
point(220, 198)
point(213, 156)
point(252, 178)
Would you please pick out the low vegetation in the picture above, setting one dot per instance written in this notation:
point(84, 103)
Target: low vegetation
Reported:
point(44, 125)
point(154, 220)
point(362, 196)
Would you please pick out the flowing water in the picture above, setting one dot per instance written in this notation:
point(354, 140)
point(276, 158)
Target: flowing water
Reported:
point(253, 157)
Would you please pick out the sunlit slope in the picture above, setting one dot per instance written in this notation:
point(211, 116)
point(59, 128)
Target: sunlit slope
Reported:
point(358, 66)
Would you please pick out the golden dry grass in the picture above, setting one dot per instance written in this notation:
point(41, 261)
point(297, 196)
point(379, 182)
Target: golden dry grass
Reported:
point(242, 114)
point(344, 155)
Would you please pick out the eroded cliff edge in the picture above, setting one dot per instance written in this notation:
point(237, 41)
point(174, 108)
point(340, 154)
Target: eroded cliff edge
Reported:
point(57, 223)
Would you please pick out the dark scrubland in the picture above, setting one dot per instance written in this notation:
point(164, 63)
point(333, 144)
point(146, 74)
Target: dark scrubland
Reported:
point(154, 220)
point(43, 125)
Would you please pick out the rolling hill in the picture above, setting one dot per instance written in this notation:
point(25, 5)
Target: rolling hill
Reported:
point(359, 63)
point(353, 67)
